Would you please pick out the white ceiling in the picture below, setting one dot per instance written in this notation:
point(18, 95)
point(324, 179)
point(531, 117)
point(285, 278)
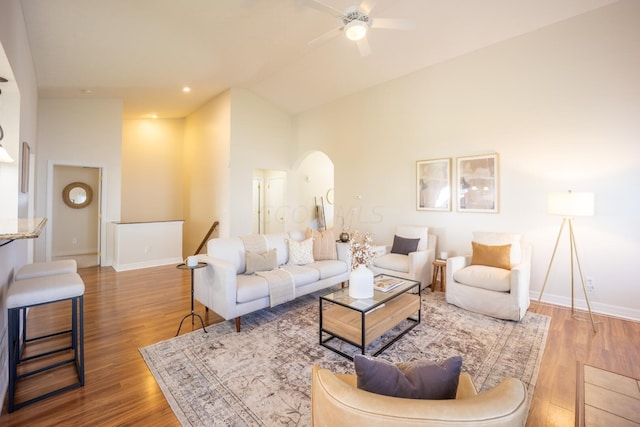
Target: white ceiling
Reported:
point(145, 51)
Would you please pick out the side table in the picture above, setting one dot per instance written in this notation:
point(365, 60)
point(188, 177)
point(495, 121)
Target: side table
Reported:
point(193, 314)
point(439, 268)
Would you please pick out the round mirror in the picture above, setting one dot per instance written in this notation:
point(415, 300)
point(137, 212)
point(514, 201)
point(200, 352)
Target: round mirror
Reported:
point(77, 195)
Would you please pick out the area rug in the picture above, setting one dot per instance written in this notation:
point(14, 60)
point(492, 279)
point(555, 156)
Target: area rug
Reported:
point(262, 375)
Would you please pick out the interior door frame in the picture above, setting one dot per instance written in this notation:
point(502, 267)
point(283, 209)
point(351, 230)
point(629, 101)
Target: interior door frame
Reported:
point(101, 198)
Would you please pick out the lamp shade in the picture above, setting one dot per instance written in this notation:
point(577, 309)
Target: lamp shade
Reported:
point(570, 204)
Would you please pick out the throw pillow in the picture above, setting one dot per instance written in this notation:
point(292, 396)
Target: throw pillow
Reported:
point(418, 379)
point(404, 246)
point(492, 256)
point(324, 244)
point(300, 253)
point(261, 262)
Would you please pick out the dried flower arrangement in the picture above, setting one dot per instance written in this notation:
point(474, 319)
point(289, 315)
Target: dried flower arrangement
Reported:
point(362, 252)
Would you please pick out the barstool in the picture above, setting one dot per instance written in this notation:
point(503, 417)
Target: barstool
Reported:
point(49, 268)
point(32, 292)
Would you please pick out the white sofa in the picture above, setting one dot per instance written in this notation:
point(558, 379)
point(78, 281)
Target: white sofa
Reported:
point(223, 287)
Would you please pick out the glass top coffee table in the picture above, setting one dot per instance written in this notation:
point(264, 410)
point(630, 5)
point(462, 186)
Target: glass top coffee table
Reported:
point(360, 322)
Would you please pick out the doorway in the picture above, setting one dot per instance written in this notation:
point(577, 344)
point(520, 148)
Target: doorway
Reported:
point(269, 195)
point(76, 226)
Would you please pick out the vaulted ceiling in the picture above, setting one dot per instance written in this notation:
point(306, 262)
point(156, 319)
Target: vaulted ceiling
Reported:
point(146, 51)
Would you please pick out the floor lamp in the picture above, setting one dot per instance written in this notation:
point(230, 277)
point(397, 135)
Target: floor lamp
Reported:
point(569, 205)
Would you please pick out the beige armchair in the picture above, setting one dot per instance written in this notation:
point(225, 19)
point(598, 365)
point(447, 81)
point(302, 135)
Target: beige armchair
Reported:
point(336, 401)
point(416, 265)
point(498, 292)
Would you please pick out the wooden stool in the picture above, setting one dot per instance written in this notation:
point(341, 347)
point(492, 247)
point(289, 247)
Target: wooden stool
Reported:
point(439, 267)
point(39, 291)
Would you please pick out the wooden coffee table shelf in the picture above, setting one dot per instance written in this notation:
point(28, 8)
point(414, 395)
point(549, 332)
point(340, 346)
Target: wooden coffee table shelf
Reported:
point(361, 322)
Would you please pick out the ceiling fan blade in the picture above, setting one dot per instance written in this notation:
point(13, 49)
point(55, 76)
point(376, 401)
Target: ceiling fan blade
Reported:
point(363, 47)
point(367, 6)
point(326, 37)
point(322, 7)
point(392, 24)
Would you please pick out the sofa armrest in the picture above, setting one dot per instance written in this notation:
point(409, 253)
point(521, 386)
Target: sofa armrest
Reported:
point(520, 278)
point(215, 286)
point(456, 263)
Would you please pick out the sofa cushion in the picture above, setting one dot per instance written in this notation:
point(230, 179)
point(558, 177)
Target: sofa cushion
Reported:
point(403, 245)
point(302, 274)
point(300, 253)
point(261, 262)
point(395, 262)
point(491, 238)
point(491, 255)
point(324, 244)
point(481, 276)
point(278, 241)
point(418, 379)
point(250, 287)
point(329, 267)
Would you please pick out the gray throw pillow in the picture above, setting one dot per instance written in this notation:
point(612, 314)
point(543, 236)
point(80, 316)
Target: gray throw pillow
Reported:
point(404, 246)
point(266, 261)
point(418, 379)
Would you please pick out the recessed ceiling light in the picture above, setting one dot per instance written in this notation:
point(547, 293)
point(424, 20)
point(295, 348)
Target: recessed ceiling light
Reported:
point(153, 116)
point(186, 89)
point(87, 91)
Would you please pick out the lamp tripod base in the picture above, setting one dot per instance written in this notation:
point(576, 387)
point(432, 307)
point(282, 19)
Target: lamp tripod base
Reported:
point(574, 254)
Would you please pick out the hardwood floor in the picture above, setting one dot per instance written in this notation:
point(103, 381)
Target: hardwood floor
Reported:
point(128, 310)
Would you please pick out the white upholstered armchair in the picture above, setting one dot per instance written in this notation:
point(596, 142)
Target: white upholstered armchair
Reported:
point(411, 256)
point(494, 280)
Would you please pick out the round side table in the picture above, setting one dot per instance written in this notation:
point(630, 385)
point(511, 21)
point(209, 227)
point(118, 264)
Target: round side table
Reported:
point(193, 314)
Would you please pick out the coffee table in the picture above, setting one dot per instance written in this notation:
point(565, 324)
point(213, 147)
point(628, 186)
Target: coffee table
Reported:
point(360, 322)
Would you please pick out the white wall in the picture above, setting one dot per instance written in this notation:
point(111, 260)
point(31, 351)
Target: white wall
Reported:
point(207, 176)
point(559, 105)
point(16, 65)
point(80, 132)
point(152, 170)
point(261, 138)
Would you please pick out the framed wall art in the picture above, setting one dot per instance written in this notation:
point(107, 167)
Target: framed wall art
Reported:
point(478, 183)
point(433, 185)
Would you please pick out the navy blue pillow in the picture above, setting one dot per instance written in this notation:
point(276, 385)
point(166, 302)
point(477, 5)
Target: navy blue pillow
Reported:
point(404, 246)
point(418, 379)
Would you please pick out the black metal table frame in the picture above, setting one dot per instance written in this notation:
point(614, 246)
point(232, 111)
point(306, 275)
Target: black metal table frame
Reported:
point(413, 323)
point(193, 314)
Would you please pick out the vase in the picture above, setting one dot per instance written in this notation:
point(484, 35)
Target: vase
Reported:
point(344, 237)
point(361, 282)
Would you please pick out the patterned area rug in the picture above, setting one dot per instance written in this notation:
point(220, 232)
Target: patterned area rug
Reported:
point(262, 375)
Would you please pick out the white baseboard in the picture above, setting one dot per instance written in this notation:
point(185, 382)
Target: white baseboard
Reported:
point(146, 264)
point(596, 307)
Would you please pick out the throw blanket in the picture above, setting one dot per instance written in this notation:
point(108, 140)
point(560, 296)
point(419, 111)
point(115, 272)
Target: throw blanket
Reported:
point(281, 287)
point(255, 243)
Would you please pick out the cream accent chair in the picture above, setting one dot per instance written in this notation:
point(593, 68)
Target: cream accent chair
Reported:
point(336, 401)
point(492, 291)
point(417, 265)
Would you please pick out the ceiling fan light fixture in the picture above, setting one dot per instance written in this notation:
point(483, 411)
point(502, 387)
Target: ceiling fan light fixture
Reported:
point(356, 30)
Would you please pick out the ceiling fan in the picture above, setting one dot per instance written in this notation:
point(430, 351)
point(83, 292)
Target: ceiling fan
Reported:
point(356, 23)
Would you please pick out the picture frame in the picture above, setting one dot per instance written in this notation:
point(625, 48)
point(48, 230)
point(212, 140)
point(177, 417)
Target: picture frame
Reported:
point(433, 185)
point(478, 180)
point(24, 167)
